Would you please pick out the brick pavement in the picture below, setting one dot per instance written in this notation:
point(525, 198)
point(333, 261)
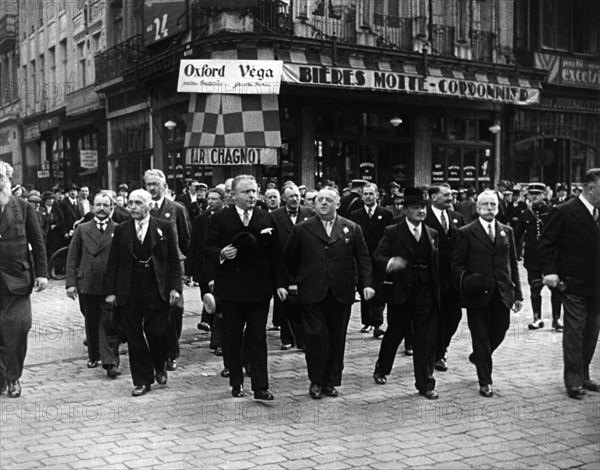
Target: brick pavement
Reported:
point(73, 417)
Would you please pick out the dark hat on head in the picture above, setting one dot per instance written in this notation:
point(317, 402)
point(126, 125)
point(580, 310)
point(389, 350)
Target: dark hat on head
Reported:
point(202, 186)
point(17, 186)
point(247, 246)
point(504, 183)
point(414, 196)
point(358, 183)
point(58, 189)
point(535, 188)
point(73, 186)
point(473, 285)
point(123, 186)
point(393, 184)
point(34, 196)
point(47, 195)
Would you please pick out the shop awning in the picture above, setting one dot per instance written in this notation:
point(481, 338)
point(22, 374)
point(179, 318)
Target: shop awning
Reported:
point(314, 69)
point(236, 122)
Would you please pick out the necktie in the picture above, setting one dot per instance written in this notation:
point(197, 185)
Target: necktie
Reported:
point(444, 222)
point(491, 232)
point(597, 215)
point(139, 231)
point(102, 226)
point(293, 213)
point(370, 212)
point(328, 227)
point(246, 219)
point(417, 233)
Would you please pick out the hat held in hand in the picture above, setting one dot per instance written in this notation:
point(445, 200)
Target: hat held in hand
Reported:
point(473, 285)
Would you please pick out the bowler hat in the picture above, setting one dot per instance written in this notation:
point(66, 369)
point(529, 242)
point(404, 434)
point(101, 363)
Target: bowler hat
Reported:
point(123, 186)
point(535, 188)
point(473, 285)
point(73, 186)
point(210, 303)
point(246, 244)
point(414, 196)
point(58, 189)
point(47, 195)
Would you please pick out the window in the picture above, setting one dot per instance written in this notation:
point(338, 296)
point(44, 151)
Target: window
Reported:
point(81, 73)
point(52, 65)
point(569, 26)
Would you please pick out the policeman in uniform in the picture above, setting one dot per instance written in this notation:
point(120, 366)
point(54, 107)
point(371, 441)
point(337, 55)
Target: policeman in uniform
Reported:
point(529, 227)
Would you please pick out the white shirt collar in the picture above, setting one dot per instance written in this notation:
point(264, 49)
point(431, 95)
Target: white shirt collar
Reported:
point(159, 202)
point(241, 212)
point(438, 213)
point(144, 221)
point(412, 226)
point(587, 204)
point(484, 223)
point(372, 208)
point(98, 221)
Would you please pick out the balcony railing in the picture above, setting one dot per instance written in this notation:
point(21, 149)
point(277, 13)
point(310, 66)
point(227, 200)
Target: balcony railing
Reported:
point(392, 31)
point(273, 16)
point(113, 62)
point(442, 39)
point(482, 44)
point(8, 32)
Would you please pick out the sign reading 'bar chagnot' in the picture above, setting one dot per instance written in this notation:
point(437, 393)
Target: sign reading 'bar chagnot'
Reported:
point(407, 83)
point(239, 77)
point(230, 156)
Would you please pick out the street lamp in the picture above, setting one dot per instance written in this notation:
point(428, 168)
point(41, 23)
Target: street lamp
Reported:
point(495, 129)
point(170, 125)
point(396, 121)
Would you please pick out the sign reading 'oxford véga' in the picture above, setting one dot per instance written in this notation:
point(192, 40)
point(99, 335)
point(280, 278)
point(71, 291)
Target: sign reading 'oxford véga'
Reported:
point(240, 77)
point(230, 156)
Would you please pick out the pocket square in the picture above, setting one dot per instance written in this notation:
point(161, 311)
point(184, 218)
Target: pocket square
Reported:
point(268, 231)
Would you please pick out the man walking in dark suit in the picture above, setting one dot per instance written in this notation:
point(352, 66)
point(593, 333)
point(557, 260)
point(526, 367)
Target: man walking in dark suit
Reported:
point(484, 265)
point(164, 208)
point(326, 255)
point(72, 211)
point(570, 251)
point(20, 272)
point(352, 201)
point(144, 277)
point(446, 222)
point(243, 241)
point(408, 255)
point(373, 219)
point(86, 269)
point(285, 218)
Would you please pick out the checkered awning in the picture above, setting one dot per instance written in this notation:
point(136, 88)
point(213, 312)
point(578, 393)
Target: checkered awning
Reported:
point(233, 121)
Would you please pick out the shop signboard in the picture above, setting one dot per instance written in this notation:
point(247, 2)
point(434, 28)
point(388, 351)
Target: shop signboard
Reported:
point(163, 19)
point(88, 159)
point(41, 174)
point(238, 77)
point(500, 91)
point(437, 174)
point(230, 156)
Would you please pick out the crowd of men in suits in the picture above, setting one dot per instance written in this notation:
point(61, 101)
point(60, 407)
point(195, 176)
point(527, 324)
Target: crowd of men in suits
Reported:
point(308, 252)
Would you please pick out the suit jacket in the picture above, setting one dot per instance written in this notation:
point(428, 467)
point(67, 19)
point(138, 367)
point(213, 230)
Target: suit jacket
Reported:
point(398, 240)
point(197, 264)
point(372, 229)
point(529, 227)
point(71, 214)
point(350, 203)
point(119, 215)
point(446, 242)
point(177, 213)
point(19, 228)
point(475, 252)
point(320, 263)
point(87, 258)
point(256, 272)
point(194, 208)
point(165, 259)
point(570, 247)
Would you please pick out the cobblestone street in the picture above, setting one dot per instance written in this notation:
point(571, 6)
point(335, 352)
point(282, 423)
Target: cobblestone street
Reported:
point(73, 417)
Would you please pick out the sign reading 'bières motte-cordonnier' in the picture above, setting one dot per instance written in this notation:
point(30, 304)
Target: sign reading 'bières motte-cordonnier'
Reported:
point(239, 77)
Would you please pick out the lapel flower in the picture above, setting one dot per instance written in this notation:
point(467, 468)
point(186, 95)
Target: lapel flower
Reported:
point(267, 231)
point(168, 215)
point(347, 240)
point(454, 221)
point(345, 230)
point(160, 234)
point(379, 217)
point(502, 233)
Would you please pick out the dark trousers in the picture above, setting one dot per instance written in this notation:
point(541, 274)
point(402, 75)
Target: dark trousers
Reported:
point(580, 335)
point(101, 345)
point(419, 314)
point(325, 327)
point(252, 316)
point(534, 278)
point(292, 330)
point(448, 321)
point(371, 311)
point(488, 326)
point(15, 323)
point(205, 317)
point(145, 320)
point(175, 327)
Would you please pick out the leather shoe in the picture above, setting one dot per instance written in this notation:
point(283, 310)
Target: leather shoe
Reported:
point(378, 333)
point(2, 387)
point(486, 391)
point(161, 377)
point(225, 372)
point(141, 390)
point(112, 371)
point(329, 391)
point(315, 391)
point(379, 378)
point(430, 394)
point(366, 329)
point(171, 364)
point(237, 392)
point(441, 365)
point(408, 352)
point(557, 325)
point(263, 395)
point(591, 385)
point(14, 389)
point(219, 351)
point(92, 364)
point(203, 326)
point(285, 347)
point(576, 392)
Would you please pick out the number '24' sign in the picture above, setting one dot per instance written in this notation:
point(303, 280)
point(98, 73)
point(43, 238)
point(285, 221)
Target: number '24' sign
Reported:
point(164, 18)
